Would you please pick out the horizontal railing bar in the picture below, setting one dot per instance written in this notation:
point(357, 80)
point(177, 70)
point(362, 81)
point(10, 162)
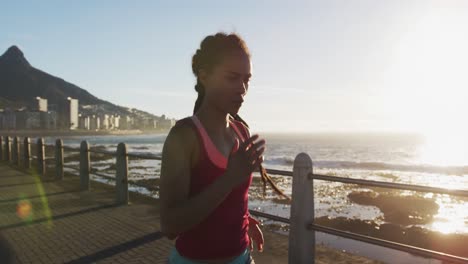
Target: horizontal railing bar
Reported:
point(101, 151)
point(280, 172)
point(71, 148)
point(132, 182)
point(144, 156)
point(390, 185)
point(95, 173)
point(71, 167)
point(389, 244)
point(270, 216)
point(103, 176)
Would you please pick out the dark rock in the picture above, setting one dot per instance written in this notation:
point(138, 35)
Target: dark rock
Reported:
point(403, 210)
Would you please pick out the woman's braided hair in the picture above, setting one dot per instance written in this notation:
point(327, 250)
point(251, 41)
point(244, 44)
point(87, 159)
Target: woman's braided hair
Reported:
point(212, 51)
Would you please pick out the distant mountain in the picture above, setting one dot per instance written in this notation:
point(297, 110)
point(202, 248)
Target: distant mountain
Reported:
point(21, 83)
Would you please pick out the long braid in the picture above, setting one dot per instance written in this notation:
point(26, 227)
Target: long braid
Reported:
point(264, 176)
point(201, 93)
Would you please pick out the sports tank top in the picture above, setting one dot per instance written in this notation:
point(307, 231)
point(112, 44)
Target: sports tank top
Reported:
point(223, 233)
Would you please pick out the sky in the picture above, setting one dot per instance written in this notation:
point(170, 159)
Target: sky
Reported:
point(394, 66)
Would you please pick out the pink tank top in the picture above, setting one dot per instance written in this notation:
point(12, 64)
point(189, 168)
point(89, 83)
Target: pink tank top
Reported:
point(223, 233)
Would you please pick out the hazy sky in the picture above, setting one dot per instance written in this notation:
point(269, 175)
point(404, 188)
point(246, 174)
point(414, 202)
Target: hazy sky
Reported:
point(317, 65)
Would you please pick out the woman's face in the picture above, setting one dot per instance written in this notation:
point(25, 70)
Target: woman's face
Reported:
point(228, 83)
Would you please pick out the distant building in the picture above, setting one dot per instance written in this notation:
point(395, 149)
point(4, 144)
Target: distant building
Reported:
point(148, 123)
point(104, 119)
point(28, 119)
point(126, 122)
point(166, 123)
point(8, 119)
point(36, 119)
point(94, 123)
point(41, 104)
point(49, 120)
point(71, 114)
point(156, 123)
point(83, 122)
point(115, 121)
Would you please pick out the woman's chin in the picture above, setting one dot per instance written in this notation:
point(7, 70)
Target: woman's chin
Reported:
point(234, 111)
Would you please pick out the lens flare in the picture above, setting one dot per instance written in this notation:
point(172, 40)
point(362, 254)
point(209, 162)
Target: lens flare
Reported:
point(43, 196)
point(24, 209)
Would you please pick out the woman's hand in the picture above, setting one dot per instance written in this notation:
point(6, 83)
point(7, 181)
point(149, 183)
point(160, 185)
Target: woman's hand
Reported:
point(255, 235)
point(245, 160)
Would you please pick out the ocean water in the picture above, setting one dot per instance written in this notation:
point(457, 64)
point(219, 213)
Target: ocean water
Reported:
point(400, 158)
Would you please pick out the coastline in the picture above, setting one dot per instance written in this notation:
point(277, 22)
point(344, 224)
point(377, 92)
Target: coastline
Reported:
point(78, 132)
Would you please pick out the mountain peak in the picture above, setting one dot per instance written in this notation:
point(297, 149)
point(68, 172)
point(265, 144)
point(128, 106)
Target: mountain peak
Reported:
point(14, 56)
point(14, 51)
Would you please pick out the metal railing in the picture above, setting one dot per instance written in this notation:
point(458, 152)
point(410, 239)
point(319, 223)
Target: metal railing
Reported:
point(302, 215)
point(301, 221)
point(11, 150)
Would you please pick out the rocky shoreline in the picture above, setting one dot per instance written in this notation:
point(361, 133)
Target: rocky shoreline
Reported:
point(402, 217)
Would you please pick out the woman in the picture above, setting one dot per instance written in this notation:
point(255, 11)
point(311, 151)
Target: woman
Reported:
point(208, 160)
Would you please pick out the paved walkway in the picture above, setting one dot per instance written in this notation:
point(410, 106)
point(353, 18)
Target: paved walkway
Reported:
point(66, 226)
point(47, 221)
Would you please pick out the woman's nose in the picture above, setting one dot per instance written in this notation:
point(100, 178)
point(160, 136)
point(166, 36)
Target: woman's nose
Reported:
point(243, 87)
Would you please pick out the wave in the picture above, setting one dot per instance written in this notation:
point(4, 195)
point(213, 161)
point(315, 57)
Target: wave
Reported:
point(332, 164)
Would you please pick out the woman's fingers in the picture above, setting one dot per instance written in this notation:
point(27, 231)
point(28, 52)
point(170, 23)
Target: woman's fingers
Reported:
point(256, 155)
point(256, 163)
point(246, 144)
point(256, 145)
point(255, 150)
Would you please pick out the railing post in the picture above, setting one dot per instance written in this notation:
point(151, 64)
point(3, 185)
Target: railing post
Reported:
point(41, 163)
point(7, 148)
point(15, 151)
point(301, 239)
point(121, 174)
point(84, 165)
point(1, 148)
point(27, 153)
point(59, 159)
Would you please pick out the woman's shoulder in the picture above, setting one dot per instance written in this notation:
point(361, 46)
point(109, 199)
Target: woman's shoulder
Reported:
point(182, 129)
point(244, 129)
point(183, 132)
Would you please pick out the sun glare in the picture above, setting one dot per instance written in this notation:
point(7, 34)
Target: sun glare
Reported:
point(445, 148)
point(426, 85)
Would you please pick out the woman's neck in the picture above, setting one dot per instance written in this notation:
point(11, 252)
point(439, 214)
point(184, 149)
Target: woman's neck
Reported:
point(213, 120)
